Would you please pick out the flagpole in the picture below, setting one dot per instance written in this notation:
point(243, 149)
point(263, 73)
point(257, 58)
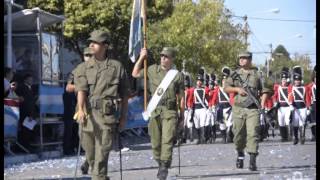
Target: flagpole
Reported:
point(144, 15)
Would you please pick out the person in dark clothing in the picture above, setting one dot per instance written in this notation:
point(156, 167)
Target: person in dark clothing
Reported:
point(27, 104)
point(70, 139)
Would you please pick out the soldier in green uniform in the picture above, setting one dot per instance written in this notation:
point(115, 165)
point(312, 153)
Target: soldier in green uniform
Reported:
point(101, 83)
point(163, 120)
point(245, 112)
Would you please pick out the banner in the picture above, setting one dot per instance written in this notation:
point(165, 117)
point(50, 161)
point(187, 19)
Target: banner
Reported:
point(135, 38)
point(11, 118)
point(135, 109)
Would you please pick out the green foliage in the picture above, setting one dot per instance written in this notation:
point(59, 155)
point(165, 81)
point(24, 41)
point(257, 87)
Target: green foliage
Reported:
point(200, 33)
point(298, 60)
point(84, 16)
point(281, 51)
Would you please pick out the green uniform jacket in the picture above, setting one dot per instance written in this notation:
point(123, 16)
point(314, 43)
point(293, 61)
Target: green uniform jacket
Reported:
point(102, 80)
point(169, 98)
point(253, 79)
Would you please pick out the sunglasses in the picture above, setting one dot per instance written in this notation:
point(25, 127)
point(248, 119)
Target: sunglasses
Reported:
point(88, 55)
point(163, 55)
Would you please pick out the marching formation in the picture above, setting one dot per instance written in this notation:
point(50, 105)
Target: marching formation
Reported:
point(241, 107)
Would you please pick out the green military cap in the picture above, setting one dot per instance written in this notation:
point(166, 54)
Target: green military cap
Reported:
point(87, 51)
point(169, 51)
point(245, 54)
point(100, 36)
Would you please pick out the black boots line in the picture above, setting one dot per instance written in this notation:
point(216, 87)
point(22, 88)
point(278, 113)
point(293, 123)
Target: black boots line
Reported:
point(252, 163)
point(207, 135)
point(302, 132)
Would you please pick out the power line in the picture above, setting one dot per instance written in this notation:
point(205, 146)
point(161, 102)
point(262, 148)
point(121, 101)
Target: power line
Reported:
point(274, 19)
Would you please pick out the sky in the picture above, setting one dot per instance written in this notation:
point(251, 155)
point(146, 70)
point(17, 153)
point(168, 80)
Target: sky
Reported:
point(297, 37)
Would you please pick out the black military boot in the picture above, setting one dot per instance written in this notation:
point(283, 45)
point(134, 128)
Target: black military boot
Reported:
point(163, 170)
point(282, 133)
point(240, 158)
point(224, 136)
point(253, 166)
point(290, 132)
point(199, 136)
point(207, 134)
point(85, 167)
point(295, 133)
point(261, 134)
point(230, 135)
point(302, 135)
point(202, 135)
point(159, 164)
point(213, 134)
point(313, 131)
point(191, 134)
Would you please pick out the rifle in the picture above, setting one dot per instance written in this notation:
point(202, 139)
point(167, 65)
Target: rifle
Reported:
point(245, 86)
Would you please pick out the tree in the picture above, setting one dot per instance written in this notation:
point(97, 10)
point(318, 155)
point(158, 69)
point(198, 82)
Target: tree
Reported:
point(282, 51)
point(202, 34)
point(84, 16)
point(282, 59)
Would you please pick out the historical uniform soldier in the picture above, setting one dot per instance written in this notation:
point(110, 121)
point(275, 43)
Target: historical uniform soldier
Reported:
point(200, 107)
point(163, 119)
point(298, 105)
point(280, 100)
point(213, 90)
point(223, 107)
point(101, 85)
point(245, 111)
point(312, 100)
point(188, 94)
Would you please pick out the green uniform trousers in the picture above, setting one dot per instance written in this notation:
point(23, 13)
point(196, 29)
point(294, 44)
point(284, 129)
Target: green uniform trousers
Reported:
point(162, 130)
point(245, 129)
point(97, 145)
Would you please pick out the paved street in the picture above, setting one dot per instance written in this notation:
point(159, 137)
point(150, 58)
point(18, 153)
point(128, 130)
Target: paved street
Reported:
point(276, 160)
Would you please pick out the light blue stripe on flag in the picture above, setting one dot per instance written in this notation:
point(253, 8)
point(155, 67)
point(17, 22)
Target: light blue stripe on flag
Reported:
point(135, 38)
point(51, 100)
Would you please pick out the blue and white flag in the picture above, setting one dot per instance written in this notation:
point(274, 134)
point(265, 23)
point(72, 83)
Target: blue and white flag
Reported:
point(135, 38)
point(11, 118)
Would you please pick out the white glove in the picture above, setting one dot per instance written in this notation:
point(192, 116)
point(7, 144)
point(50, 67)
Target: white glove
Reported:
point(275, 104)
point(308, 112)
point(291, 108)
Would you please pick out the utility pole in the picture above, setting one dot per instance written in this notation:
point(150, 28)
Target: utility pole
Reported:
point(10, 3)
point(268, 61)
point(246, 31)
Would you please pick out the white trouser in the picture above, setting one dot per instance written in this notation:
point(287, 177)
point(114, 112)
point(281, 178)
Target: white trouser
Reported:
point(187, 118)
point(199, 118)
point(299, 117)
point(284, 116)
point(210, 117)
point(227, 119)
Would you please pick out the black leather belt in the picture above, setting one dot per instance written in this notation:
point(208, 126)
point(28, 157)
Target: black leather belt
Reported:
point(252, 106)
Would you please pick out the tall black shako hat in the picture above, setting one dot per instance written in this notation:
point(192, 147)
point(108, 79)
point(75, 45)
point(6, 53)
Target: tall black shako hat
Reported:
point(187, 81)
point(297, 73)
point(313, 75)
point(225, 72)
point(284, 73)
point(212, 79)
point(207, 79)
point(200, 75)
